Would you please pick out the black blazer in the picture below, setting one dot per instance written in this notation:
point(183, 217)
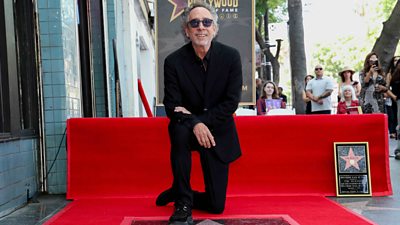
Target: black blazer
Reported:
point(215, 102)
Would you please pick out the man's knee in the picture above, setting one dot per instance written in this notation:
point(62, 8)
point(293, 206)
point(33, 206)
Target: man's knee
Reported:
point(179, 133)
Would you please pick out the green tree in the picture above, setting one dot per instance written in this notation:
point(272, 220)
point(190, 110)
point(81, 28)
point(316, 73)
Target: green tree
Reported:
point(387, 8)
point(351, 51)
point(346, 51)
point(277, 10)
point(269, 11)
point(386, 44)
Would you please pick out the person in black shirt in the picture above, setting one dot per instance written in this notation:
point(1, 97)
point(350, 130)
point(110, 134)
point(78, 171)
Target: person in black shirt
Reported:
point(202, 86)
point(281, 95)
point(394, 81)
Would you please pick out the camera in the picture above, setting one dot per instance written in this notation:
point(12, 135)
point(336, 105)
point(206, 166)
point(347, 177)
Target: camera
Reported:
point(374, 63)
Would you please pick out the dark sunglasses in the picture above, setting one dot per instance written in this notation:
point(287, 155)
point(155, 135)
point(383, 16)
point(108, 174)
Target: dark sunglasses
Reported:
point(194, 23)
point(316, 69)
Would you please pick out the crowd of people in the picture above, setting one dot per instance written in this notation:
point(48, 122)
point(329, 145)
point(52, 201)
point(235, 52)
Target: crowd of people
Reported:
point(375, 91)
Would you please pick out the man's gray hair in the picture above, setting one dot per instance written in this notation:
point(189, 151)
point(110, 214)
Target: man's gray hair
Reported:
point(195, 4)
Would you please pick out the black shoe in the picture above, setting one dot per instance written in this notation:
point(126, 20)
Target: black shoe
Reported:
point(397, 151)
point(181, 216)
point(165, 197)
point(397, 156)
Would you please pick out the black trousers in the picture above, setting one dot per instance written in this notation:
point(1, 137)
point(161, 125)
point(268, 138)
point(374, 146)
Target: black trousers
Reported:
point(322, 112)
point(215, 171)
point(392, 117)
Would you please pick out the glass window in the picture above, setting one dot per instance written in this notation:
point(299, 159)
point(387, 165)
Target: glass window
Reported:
point(18, 70)
point(4, 96)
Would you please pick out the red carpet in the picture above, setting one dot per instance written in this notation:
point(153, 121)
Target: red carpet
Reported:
point(117, 166)
point(302, 209)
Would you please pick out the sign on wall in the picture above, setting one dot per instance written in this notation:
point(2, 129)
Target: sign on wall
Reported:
point(236, 29)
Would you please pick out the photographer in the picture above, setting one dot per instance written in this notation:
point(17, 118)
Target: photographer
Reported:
point(373, 85)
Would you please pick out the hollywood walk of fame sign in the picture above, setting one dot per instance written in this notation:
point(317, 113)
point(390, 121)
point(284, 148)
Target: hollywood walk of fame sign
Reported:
point(236, 29)
point(352, 169)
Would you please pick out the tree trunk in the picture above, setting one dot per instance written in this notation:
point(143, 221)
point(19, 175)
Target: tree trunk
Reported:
point(264, 44)
point(297, 53)
point(385, 46)
point(274, 59)
point(266, 40)
point(275, 63)
point(261, 68)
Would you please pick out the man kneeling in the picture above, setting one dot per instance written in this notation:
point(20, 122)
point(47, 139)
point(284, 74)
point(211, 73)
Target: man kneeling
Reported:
point(202, 85)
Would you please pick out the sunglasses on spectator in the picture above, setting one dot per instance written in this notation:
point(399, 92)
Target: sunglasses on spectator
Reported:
point(194, 23)
point(316, 69)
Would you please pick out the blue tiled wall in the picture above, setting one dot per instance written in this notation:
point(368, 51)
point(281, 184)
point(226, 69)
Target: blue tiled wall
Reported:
point(61, 81)
point(18, 175)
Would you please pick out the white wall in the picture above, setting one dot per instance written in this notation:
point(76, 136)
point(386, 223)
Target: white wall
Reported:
point(130, 25)
point(147, 67)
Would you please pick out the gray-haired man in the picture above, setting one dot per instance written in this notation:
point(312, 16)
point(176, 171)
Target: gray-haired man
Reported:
point(202, 85)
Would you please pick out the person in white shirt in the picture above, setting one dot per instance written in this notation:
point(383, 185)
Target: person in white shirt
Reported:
point(319, 90)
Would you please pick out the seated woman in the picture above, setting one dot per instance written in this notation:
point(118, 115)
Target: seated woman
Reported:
point(269, 99)
point(348, 101)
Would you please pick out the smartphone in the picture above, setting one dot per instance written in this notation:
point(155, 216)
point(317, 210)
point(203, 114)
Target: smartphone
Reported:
point(373, 62)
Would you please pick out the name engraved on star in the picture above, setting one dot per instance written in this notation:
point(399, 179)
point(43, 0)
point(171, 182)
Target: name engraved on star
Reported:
point(350, 184)
point(352, 169)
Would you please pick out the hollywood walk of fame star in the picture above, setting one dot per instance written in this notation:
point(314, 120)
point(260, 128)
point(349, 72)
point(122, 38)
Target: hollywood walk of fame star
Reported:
point(179, 6)
point(351, 160)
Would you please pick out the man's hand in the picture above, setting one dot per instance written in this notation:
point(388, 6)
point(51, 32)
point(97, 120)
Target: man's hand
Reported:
point(203, 135)
point(318, 100)
point(182, 110)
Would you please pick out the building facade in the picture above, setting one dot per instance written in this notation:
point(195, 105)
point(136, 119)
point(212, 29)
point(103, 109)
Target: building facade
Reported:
point(61, 59)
